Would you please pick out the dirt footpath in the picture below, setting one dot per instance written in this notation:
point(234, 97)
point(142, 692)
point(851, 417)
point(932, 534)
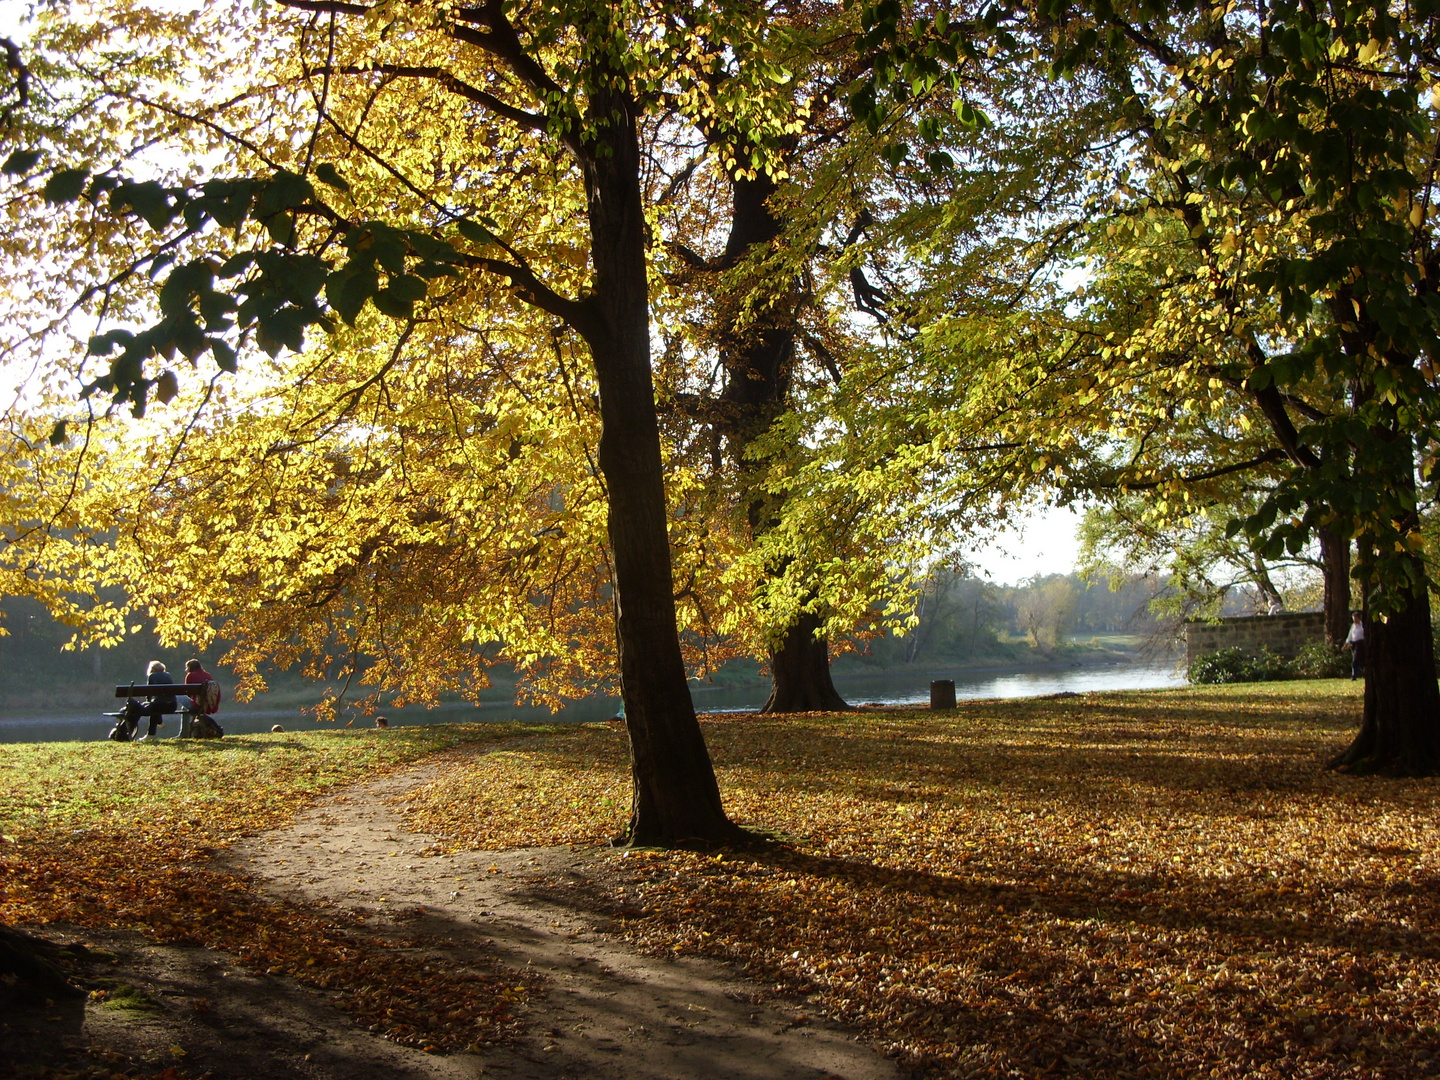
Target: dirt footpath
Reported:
point(609, 1012)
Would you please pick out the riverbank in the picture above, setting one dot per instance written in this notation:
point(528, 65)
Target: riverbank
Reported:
point(1148, 884)
point(859, 686)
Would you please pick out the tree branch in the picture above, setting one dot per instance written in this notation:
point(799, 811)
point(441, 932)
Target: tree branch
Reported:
point(500, 40)
point(528, 120)
point(324, 7)
point(577, 314)
point(1268, 457)
point(1272, 404)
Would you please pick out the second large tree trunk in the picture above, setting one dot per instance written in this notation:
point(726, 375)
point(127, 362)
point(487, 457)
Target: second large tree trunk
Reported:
point(676, 798)
point(759, 359)
point(1400, 732)
point(801, 672)
point(1335, 565)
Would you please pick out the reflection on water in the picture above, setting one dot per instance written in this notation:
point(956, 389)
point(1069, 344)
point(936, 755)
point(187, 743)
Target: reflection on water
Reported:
point(889, 688)
point(972, 685)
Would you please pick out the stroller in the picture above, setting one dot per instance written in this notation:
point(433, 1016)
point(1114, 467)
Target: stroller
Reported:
point(127, 722)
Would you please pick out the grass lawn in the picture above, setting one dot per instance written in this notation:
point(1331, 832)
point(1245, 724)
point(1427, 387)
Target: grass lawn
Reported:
point(1156, 884)
point(220, 787)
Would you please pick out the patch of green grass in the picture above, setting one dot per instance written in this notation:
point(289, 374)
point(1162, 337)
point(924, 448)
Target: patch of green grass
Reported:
point(128, 998)
point(72, 786)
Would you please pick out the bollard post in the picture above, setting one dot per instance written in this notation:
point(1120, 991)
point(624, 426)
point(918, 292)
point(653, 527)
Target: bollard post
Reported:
point(942, 694)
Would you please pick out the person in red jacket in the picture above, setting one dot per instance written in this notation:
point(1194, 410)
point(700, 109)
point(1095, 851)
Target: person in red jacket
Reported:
point(197, 676)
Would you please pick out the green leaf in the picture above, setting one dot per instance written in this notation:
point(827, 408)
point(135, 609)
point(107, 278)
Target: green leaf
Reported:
point(390, 254)
point(104, 344)
point(970, 116)
point(237, 264)
point(285, 328)
point(407, 288)
point(149, 200)
point(327, 174)
point(285, 191)
point(435, 270)
point(347, 292)
point(166, 387)
point(474, 231)
point(281, 228)
point(224, 355)
point(189, 338)
point(20, 162)
point(396, 306)
point(428, 247)
point(66, 185)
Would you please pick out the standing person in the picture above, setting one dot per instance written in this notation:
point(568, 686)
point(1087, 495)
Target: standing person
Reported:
point(161, 704)
point(206, 695)
point(1355, 642)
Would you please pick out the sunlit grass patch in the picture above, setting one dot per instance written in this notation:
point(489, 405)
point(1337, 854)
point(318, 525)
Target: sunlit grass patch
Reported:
point(238, 783)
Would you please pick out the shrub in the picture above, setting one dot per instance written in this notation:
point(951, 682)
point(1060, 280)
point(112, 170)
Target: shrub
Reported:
point(1234, 665)
point(1319, 661)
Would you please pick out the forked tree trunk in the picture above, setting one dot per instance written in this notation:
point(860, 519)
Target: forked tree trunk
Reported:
point(676, 798)
point(1400, 732)
point(759, 361)
point(1335, 565)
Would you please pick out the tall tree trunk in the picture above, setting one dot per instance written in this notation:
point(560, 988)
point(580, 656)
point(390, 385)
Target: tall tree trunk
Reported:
point(1335, 566)
point(1400, 732)
point(759, 361)
point(801, 669)
point(676, 798)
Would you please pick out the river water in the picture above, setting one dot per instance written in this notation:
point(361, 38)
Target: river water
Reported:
point(888, 688)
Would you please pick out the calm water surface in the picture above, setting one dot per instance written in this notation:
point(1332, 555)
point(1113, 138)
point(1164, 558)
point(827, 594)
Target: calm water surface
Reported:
point(890, 688)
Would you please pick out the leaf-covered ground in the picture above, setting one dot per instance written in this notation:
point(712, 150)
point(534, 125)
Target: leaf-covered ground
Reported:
point(105, 836)
point(1146, 884)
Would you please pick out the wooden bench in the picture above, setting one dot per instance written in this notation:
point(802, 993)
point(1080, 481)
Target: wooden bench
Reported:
point(184, 706)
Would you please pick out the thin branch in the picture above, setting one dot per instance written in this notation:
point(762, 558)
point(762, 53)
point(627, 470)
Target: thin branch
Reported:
point(1268, 457)
point(528, 120)
point(331, 7)
point(324, 94)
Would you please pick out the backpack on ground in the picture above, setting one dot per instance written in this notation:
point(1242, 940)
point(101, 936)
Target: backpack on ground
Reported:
point(205, 727)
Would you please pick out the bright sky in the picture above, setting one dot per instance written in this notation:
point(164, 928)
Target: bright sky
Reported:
point(1045, 543)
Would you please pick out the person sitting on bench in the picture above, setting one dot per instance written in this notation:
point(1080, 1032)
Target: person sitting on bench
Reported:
point(162, 704)
point(206, 698)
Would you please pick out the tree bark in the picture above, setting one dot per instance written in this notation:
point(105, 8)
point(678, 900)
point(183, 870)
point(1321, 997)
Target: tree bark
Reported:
point(1335, 565)
point(801, 672)
point(676, 798)
point(1400, 732)
point(758, 363)
point(28, 969)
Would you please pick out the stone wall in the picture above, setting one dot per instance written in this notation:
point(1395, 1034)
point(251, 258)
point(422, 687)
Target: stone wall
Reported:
point(1283, 633)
